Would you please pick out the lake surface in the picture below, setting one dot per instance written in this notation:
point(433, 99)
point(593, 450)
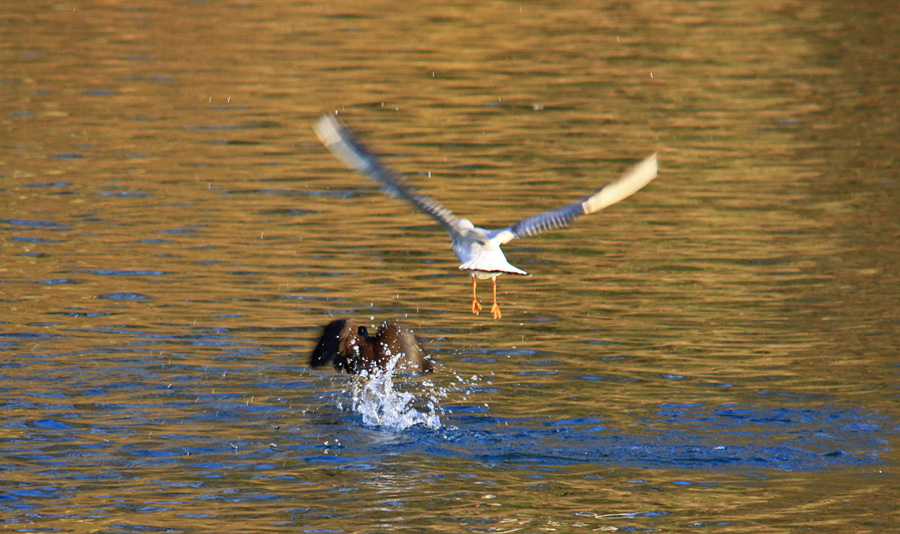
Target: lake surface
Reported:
point(717, 353)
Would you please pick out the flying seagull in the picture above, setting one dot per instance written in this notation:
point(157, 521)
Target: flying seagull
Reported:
point(477, 248)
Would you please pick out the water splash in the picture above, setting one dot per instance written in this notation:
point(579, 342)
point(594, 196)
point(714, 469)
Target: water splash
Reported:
point(383, 402)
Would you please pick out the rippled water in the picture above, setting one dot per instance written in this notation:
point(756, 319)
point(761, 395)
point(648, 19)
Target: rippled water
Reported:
point(717, 353)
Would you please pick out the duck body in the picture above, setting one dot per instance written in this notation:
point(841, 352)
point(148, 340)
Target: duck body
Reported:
point(353, 350)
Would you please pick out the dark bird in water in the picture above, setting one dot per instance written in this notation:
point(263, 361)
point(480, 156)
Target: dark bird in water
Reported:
point(353, 350)
point(477, 248)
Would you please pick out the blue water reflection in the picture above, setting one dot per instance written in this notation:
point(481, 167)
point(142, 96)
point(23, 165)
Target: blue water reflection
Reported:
point(748, 439)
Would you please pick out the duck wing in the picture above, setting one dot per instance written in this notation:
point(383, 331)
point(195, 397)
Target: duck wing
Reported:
point(398, 338)
point(336, 345)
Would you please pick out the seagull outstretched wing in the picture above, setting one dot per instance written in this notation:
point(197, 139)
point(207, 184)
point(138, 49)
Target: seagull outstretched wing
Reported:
point(354, 154)
point(628, 184)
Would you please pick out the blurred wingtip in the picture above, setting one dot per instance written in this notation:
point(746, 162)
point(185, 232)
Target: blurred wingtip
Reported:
point(328, 346)
point(629, 183)
point(327, 129)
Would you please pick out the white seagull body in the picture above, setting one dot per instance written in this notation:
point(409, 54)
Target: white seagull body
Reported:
point(477, 248)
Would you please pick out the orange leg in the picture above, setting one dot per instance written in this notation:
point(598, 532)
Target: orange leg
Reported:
point(496, 309)
point(476, 308)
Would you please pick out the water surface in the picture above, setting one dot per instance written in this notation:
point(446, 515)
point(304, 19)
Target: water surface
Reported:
point(717, 353)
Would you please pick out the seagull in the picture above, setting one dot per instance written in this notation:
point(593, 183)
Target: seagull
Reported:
point(477, 248)
point(354, 350)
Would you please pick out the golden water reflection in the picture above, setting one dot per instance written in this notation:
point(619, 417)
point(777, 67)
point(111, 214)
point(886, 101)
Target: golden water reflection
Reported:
point(173, 235)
